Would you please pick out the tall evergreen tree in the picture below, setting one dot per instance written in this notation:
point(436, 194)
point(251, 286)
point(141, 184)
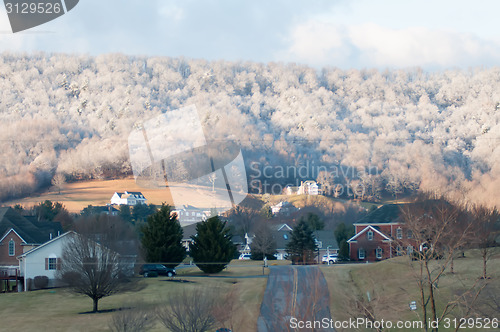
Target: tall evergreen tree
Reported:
point(302, 246)
point(162, 238)
point(212, 249)
point(342, 234)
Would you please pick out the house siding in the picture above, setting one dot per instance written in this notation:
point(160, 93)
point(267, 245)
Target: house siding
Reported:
point(370, 247)
point(5, 258)
point(35, 263)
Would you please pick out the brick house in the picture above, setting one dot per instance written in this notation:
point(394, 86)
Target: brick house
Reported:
point(19, 234)
point(378, 235)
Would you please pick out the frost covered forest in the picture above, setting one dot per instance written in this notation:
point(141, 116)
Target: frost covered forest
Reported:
point(411, 130)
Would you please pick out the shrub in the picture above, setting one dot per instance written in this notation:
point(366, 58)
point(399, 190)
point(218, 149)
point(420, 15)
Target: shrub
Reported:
point(41, 282)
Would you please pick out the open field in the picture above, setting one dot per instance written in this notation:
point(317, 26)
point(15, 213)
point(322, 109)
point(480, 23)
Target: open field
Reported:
point(77, 195)
point(392, 286)
point(60, 310)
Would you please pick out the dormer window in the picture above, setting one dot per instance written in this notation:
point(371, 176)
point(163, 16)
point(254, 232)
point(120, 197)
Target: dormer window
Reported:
point(12, 248)
point(369, 235)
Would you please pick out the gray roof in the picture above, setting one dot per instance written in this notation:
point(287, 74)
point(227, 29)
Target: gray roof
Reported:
point(30, 230)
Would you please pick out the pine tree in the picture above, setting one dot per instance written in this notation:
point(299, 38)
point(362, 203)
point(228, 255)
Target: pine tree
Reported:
point(302, 246)
point(212, 245)
point(162, 238)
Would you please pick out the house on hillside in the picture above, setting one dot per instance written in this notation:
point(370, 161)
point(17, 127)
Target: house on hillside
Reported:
point(283, 208)
point(377, 235)
point(308, 188)
point(291, 190)
point(19, 234)
point(188, 214)
point(128, 198)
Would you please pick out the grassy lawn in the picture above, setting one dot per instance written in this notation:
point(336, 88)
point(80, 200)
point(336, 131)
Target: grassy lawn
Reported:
point(60, 310)
point(392, 285)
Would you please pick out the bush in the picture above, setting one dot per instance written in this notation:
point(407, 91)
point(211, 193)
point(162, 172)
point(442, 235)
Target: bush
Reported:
point(41, 282)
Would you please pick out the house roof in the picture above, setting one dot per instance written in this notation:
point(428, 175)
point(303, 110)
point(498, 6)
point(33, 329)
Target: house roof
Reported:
point(45, 244)
point(281, 227)
point(135, 194)
point(327, 239)
point(365, 230)
point(30, 230)
point(385, 214)
point(188, 231)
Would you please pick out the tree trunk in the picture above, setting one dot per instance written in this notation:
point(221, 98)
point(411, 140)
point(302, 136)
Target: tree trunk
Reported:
point(485, 256)
point(95, 305)
point(431, 295)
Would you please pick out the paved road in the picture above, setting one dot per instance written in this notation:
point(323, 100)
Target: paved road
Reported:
point(298, 292)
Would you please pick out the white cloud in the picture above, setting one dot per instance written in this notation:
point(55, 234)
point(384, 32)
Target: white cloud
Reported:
point(371, 45)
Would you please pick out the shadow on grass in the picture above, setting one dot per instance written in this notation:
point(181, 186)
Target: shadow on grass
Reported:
point(99, 311)
point(180, 280)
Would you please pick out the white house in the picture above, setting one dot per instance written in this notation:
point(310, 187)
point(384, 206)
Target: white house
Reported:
point(43, 260)
point(128, 198)
point(188, 214)
point(284, 208)
point(308, 188)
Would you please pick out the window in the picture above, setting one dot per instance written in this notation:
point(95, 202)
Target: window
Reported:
point(52, 263)
point(409, 250)
point(361, 253)
point(399, 233)
point(12, 248)
point(378, 253)
point(399, 250)
point(409, 234)
point(369, 235)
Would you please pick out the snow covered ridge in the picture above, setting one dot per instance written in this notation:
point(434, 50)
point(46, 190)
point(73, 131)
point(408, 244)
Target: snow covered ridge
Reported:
point(436, 131)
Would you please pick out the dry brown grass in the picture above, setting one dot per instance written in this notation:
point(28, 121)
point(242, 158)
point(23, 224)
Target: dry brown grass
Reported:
point(59, 310)
point(78, 195)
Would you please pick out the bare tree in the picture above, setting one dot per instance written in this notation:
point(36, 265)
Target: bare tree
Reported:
point(263, 242)
point(90, 268)
point(485, 233)
point(438, 229)
point(136, 318)
point(189, 311)
point(58, 181)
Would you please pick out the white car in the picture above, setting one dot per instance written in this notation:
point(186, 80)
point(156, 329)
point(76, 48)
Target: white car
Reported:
point(332, 258)
point(244, 256)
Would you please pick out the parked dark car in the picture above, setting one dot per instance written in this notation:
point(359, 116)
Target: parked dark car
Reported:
point(158, 269)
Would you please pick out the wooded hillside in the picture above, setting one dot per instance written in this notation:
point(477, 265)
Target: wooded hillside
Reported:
point(412, 130)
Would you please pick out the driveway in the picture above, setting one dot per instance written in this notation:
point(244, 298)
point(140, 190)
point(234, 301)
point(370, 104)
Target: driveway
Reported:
point(294, 294)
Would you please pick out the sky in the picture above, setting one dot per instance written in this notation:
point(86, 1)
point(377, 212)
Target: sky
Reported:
point(382, 34)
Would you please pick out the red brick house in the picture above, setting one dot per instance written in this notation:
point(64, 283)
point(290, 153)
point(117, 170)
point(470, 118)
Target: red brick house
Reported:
point(378, 235)
point(18, 234)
